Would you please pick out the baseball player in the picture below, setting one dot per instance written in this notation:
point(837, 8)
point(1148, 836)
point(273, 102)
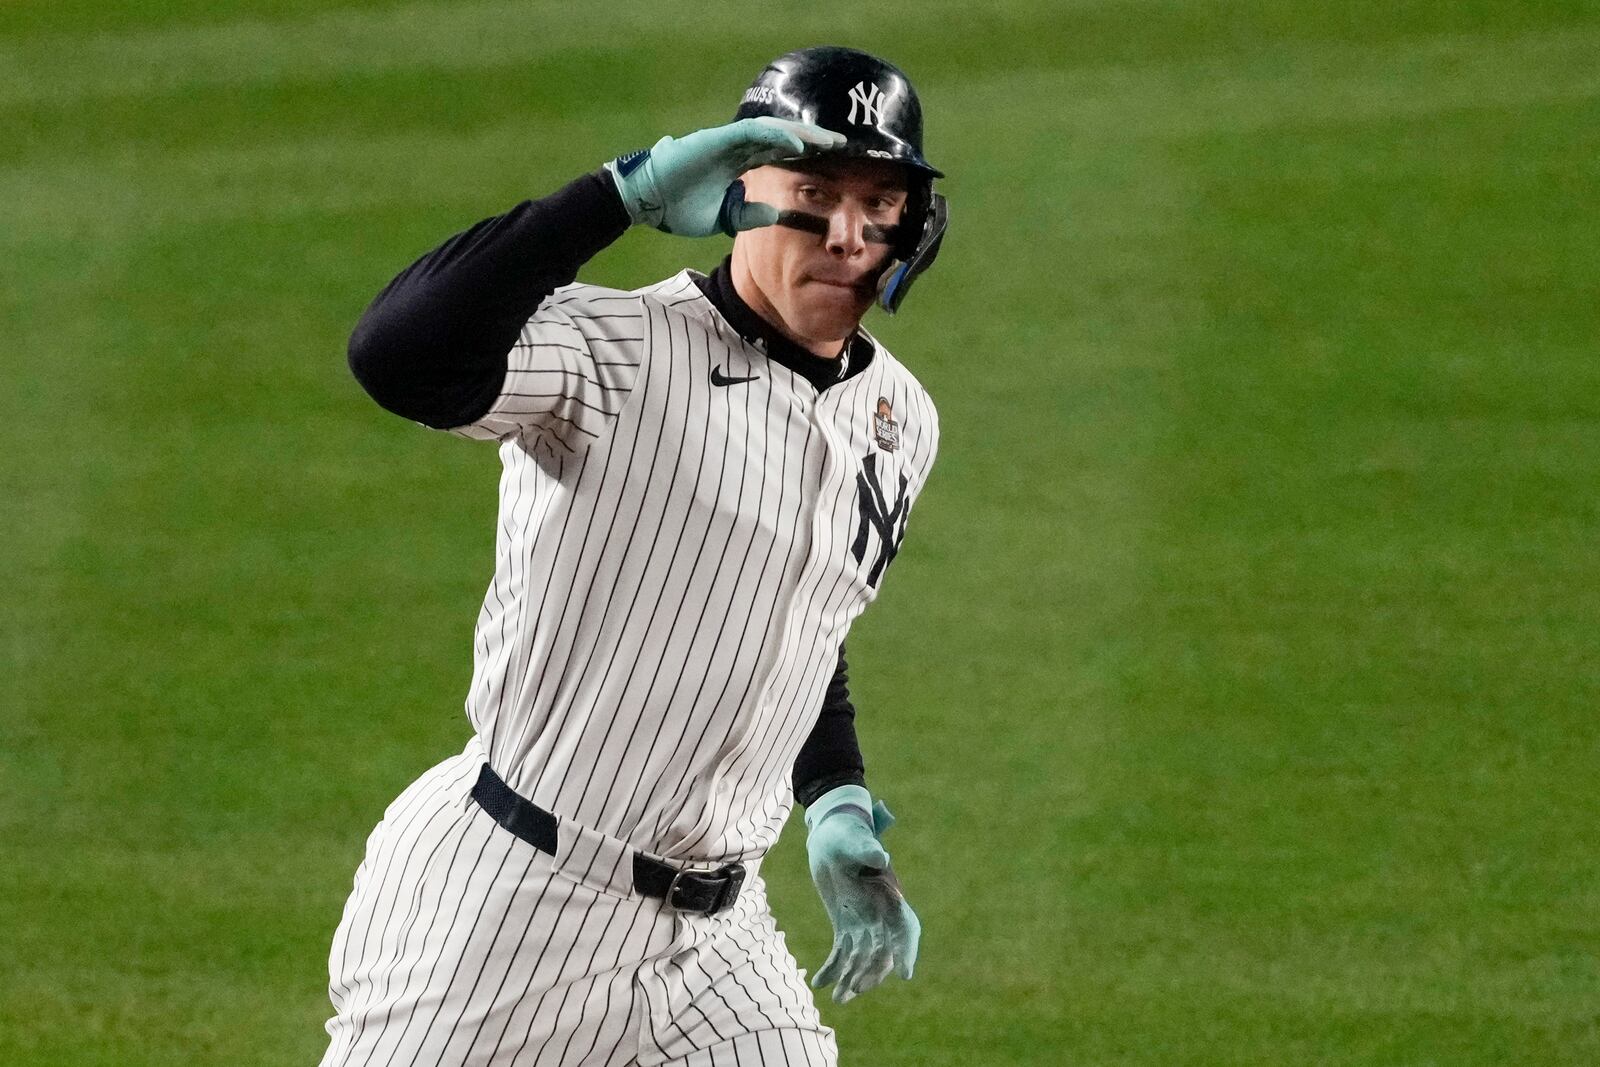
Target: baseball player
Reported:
point(704, 482)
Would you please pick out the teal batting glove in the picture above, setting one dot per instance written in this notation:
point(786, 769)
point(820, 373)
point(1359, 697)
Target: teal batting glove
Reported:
point(689, 185)
point(874, 929)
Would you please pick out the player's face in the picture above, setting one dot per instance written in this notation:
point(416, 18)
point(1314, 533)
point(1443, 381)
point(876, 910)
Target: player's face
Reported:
point(814, 287)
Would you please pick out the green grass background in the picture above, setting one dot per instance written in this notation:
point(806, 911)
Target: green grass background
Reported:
point(1237, 689)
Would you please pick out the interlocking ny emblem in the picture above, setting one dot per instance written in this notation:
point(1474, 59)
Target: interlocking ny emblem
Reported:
point(875, 514)
point(870, 100)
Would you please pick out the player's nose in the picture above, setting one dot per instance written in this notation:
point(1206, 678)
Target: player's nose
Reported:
point(846, 232)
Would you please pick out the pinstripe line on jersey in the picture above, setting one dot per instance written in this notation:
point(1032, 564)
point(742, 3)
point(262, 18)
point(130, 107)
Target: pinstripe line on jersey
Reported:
point(710, 656)
point(733, 973)
point(685, 290)
point(756, 750)
point(579, 349)
point(547, 436)
point(625, 976)
point(415, 1015)
point(644, 635)
point(767, 947)
point(646, 700)
point(366, 892)
point(752, 1048)
point(748, 746)
point(568, 372)
point(810, 681)
point(518, 466)
point(488, 952)
point(639, 1018)
point(589, 297)
point(525, 690)
point(711, 985)
point(413, 910)
point(562, 971)
point(480, 645)
point(483, 668)
point(694, 997)
point(672, 1020)
point(835, 491)
point(545, 413)
point(561, 684)
point(616, 713)
point(666, 812)
point(782, 733)
point(696, 1008)
point(563, 418)
point(724, 332)
point(584, 1013)
point(794, 1041)
point(376, 894)
point(512, 960)
point(370, 959)
point(542, 315)
point(642, 389)
point(526, 637)
point(805, 452)
point(803, 680)
point(517, 473)
point(589, 969)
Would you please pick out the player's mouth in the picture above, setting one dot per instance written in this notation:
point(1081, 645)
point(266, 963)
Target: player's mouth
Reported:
point(853, 288)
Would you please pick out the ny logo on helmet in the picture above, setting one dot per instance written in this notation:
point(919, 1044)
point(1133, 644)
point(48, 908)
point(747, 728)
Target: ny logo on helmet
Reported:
point(870, 99)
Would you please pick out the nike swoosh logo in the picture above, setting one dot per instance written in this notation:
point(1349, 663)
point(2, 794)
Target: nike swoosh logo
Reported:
point(718, 378)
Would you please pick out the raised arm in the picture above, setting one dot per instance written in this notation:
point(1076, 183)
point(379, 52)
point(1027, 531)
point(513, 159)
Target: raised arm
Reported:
point(433, 345)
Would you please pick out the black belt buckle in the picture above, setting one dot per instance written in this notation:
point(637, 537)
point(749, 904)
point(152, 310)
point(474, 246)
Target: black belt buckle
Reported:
point(731, 877)
point(730, 888)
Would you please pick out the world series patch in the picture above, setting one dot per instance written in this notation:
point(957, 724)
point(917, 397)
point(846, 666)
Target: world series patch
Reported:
point(884, 428)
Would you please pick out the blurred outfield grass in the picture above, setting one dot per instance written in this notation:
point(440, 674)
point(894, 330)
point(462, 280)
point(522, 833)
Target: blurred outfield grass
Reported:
point(1237, 689)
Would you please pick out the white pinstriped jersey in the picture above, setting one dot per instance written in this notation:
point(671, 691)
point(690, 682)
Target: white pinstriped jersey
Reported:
point(687, 530)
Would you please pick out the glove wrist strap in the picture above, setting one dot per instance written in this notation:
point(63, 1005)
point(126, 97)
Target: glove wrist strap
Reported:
point(841, 800)
point(625, 174)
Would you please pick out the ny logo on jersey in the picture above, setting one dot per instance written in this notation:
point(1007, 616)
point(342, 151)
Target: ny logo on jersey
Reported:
point(877, 515)
point(870, 100)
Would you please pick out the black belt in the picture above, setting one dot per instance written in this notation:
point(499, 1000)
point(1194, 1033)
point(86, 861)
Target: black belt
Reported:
point(705, 892)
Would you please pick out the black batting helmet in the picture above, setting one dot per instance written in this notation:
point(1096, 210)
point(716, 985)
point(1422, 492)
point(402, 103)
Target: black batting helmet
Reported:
point(872, 103)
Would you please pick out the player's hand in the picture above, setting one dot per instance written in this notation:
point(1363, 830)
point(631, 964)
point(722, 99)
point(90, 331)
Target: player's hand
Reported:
point(689, 185)
point(874, 929)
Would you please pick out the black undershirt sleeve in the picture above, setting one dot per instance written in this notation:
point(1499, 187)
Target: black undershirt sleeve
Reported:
point(432, 346)
point(831, 756)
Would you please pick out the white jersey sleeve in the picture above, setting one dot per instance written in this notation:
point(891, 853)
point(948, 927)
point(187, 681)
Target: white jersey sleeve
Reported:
point(570, 372)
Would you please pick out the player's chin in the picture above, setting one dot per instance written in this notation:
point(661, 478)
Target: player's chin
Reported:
point(838, 306)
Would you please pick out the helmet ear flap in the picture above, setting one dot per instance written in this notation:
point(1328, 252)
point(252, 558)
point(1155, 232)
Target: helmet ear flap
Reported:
point(917, 241)
point(912, 220)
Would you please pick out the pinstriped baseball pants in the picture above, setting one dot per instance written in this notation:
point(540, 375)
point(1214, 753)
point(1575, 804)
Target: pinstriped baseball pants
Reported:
point(463, 944)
